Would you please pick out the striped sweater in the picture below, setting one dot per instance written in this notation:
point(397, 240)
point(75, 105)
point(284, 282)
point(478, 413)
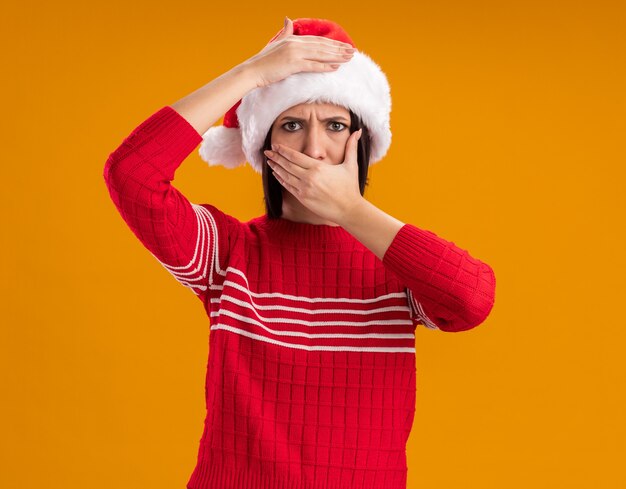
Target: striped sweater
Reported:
point(310, 380)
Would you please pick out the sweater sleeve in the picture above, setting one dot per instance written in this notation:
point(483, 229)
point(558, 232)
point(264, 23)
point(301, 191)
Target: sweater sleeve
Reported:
point(189, 240)
point(447, 288)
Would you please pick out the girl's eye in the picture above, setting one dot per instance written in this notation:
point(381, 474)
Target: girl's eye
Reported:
point(290, 122)
point(290, 128)
point(340, 123)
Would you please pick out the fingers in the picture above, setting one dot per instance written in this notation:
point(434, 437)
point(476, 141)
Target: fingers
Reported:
point(325, 54)
point(322, 40)
point(321, 56)
point(316, 66)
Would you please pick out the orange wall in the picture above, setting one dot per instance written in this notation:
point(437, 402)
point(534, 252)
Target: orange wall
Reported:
point(508, 139)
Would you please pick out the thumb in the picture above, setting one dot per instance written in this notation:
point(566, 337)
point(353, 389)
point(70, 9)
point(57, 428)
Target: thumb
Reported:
point(287, 29)
point(351, 151)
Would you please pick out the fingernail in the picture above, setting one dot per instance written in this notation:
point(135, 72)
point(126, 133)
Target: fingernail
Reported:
point(274, 147)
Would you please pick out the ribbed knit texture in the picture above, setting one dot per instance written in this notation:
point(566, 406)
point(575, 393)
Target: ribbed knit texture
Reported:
point(310, 380)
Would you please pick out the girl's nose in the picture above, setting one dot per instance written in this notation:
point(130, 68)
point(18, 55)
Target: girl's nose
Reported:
point(313, 144)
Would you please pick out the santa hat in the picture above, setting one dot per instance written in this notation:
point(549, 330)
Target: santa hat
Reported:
point(358, 85)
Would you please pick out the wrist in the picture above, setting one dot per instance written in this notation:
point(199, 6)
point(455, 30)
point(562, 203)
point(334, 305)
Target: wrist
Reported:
point(354, 212)
point(246, 72)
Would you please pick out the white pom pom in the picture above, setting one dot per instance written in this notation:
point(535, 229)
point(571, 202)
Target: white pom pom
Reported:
point(222, 146)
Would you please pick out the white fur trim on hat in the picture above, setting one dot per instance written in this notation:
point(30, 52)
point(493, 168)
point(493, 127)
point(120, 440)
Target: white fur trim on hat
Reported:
point(358, 84)
point(222, 146)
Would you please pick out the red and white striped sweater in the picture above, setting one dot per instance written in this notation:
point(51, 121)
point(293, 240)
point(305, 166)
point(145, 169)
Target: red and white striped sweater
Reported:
point(310, 380)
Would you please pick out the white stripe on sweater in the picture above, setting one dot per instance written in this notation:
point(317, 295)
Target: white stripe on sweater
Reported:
point(303, 298)
point(418, 312)
point(313, 324)
point(317, 299)
point(315, 347)
point(239, 317)
point(200, 267)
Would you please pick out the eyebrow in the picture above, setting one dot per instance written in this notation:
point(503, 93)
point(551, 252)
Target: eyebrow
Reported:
point(333, 118)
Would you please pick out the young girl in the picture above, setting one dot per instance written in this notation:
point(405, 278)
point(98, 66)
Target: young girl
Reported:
point(312, 306)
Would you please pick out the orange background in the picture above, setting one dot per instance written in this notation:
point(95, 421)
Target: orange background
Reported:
point(508, 139)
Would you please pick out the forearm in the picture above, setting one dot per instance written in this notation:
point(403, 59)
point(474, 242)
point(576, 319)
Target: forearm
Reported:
point(456, 290)
point(371, 226)
point(203, 107)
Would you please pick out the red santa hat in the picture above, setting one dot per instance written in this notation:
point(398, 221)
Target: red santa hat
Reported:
point(358, 85)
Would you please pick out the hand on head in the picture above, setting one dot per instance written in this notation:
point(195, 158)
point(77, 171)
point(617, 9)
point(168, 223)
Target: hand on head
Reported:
point(287, 54)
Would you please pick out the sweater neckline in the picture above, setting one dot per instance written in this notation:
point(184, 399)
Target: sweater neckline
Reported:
point(287, 229)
